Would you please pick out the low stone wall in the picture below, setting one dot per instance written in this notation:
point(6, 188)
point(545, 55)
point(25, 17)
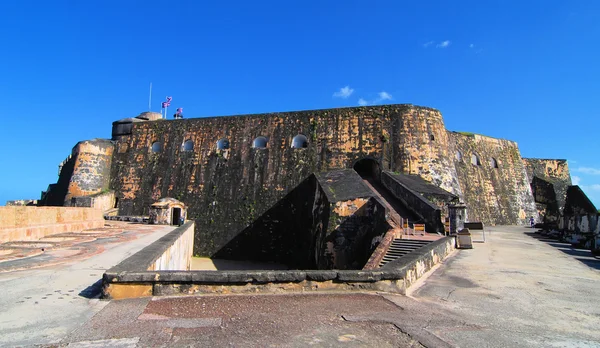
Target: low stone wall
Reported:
point(103, 201)
point(128, 280)
point(172, 253)
point(422, 259)
point(33, 223)
point(179, 250)
point(381, 250)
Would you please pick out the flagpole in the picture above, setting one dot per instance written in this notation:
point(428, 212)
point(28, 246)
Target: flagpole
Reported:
point(150, 98)
point(166, 108)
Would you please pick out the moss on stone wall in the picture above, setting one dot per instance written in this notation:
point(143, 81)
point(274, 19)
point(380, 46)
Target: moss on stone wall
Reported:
point(496, 190)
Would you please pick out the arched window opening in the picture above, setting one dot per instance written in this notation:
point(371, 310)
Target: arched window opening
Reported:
point(493, 163)
point(459, 156)
point(299, 142)
point(475, 160)
point(188, 145)
point(156, 146)
point(223, 144)
point(431, 137)
point(259, 143)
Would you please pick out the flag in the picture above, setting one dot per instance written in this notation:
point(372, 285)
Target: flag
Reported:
point(167, 103)
point(179, 111)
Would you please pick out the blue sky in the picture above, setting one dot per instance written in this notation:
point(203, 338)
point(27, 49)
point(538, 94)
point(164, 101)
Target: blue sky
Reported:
point(522, 70)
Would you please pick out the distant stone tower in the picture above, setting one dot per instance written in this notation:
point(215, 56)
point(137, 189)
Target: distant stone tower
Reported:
point(91, 168)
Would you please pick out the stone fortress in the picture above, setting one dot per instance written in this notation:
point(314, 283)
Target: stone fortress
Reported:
point(314, 189)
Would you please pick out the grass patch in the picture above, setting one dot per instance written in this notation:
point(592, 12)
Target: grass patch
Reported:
point(469, 134)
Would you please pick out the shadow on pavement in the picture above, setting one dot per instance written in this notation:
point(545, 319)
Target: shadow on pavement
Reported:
point(92, 291)
point(582, 255)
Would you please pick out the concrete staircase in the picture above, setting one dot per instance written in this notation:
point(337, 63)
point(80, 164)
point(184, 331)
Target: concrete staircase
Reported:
point(401, 247)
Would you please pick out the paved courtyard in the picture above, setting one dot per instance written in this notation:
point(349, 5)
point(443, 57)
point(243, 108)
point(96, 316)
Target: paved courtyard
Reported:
point(517, 289)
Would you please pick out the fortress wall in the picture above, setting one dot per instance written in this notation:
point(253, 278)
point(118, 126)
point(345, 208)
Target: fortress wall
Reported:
point(494, 196)
point(91, 167)
point(425, 149)
point(226, 190)
point(550, 178)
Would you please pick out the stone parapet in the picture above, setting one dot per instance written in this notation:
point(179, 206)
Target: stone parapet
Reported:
point(130, 279)
point(33, 223)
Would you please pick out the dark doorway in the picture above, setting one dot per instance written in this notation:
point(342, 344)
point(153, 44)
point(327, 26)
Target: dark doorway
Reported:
point(176, 215)
point(367, 168)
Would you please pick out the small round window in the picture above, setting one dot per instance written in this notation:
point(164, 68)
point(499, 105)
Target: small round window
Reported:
point(188, 145)
point(223, 144)
point(156, 146)
point(299, 142)
point(260, 143)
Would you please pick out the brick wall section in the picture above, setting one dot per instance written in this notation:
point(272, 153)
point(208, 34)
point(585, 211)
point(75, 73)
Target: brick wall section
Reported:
point(494, 196)
point(33, 223)
point(91, 171)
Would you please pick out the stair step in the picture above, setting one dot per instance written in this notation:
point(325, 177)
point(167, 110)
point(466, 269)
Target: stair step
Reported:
point(399, 251)
point(396, 252)
point(405, 247)
point(402, 248)
point(408, 241)
point(411, 241)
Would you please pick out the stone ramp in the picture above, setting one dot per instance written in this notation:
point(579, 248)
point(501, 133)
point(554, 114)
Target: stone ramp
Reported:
point(401, 247)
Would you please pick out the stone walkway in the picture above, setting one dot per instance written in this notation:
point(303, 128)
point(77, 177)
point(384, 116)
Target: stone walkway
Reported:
point(521, 290)
point(45, 297)
point(515, 290)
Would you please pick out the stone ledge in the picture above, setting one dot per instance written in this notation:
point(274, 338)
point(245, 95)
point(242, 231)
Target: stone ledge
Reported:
point(145, 258)
point(395, 276)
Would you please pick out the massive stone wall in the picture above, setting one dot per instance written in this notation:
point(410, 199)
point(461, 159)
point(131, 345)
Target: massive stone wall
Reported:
point(550, 179)
point(493, 179)
point(228, 189)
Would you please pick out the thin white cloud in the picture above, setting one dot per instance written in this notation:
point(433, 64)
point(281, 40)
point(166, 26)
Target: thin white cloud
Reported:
point(443, 44)
point(593, 187)
point(344, 92)
point(471, 46)
point(575, 179)
point(381, 96)
point(428, 43)
point(587, 170)
point(384, 96)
